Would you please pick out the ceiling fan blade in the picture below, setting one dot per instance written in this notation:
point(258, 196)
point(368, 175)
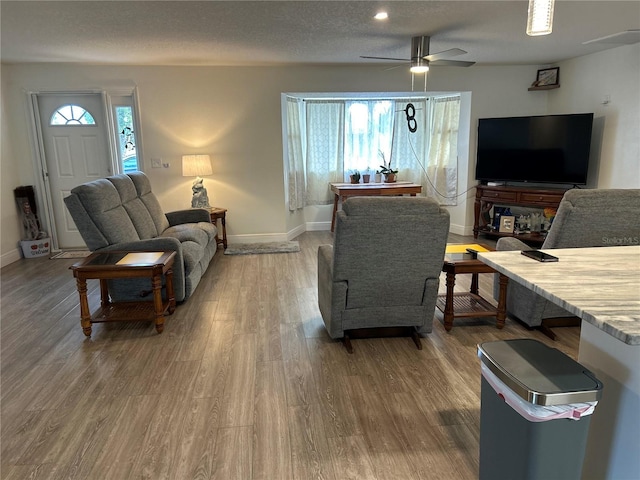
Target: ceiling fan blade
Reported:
point(387, 58)
point(452, 52)
point(397, 66)
point(451, 63)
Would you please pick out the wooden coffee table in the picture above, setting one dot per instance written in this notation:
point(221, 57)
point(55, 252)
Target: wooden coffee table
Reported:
point(118, 265)
point(469, 304)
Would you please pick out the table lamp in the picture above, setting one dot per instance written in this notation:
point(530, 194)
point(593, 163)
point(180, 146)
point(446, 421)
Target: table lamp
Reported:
point(197, 166)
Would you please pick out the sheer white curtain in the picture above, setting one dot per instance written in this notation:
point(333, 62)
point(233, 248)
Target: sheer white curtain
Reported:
point(325, 148)
point(408, 151)
point(368, 131)
point(442, 157)
point(295, 142)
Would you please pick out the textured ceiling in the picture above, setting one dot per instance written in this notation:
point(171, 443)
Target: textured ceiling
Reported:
point(297, 32)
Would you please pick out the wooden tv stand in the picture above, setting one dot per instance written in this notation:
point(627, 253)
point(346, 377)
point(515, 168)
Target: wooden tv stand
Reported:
point(487, 196)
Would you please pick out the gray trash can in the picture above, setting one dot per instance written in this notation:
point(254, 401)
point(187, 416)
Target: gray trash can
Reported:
point(535, 411)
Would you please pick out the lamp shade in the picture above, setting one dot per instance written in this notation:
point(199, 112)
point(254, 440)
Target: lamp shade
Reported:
point(196, 165)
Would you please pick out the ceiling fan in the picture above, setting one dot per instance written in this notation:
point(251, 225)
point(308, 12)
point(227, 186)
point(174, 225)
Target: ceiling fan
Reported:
point(421, 60)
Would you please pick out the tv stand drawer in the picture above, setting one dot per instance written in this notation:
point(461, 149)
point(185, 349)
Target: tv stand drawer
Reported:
point(541, 198)
point(500, 195)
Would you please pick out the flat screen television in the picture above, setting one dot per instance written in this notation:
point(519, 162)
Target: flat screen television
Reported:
point(538, 149)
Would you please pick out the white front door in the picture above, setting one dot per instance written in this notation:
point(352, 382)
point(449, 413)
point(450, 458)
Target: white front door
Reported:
point(76, 150)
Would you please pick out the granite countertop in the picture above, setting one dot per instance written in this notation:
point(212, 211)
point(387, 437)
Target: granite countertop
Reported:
point(601, 285)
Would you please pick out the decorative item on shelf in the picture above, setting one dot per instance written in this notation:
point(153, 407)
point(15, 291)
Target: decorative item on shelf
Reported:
point(497, 213)
point(547, 79)
point(366, 176)
point(507, 223)
point(355, 177)
point(535, 222)
point(550, 214)
point(378, 177)
point(197, 166)
point(386, 170)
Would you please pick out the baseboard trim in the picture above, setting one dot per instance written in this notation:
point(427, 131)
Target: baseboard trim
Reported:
point(259, 238)
point(461, 230)
point(317, 226)
point(10, 257)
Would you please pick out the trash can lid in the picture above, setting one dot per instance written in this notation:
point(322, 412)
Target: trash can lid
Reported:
point(540, 374)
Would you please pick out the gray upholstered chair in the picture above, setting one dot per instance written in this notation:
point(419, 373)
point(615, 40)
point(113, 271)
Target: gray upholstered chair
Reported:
point(384, 266)
point(585, 218)
point(122, 213)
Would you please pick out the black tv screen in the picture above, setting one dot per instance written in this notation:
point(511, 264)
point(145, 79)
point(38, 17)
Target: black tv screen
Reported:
point(541, 149)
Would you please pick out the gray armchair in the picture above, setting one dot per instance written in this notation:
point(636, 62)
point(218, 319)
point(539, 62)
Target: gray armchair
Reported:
point(384, 266)
point(122, 213)
point(585, 218)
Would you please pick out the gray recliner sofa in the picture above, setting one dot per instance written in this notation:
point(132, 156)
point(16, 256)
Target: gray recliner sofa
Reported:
point(122, 213)
point(585, 218)
point(384, 266)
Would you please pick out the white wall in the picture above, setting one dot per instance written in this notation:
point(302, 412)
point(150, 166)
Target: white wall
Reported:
point(234, 115)
point(10, 178)
point(585, 81)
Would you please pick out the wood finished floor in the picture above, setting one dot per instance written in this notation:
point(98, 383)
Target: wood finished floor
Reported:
point(243, 384)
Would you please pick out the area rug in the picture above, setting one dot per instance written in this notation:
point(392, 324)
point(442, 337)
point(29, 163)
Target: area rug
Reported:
point(71, 254)
point(269, 247)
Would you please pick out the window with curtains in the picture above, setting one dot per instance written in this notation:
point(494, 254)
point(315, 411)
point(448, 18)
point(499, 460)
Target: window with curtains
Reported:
point(327, 139)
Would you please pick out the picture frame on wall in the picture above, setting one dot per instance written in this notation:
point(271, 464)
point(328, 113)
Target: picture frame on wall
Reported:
point(548, 77)
point(507, 224)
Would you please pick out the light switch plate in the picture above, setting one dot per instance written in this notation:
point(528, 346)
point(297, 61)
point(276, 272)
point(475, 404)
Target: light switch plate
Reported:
point(156, 163)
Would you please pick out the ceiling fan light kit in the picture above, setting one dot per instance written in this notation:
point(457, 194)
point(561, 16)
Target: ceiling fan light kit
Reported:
point(421, 60)
point(540, 17)
point(419, 65)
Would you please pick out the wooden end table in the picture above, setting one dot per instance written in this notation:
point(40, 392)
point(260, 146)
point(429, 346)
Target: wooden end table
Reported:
point(105, 266)
point(469, 304)
point(220, 213)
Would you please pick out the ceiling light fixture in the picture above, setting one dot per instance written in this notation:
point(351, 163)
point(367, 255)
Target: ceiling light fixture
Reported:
point(419, 65)
point(540, 18)
point(381, 16)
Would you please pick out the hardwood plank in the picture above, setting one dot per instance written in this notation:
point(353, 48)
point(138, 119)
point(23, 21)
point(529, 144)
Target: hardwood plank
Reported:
point(233, 454)
point(237, 405)
point(383, 438)
point(193, 457)
point(268, 328)
point(271, 447)
point(331, 371)
point(91, 434)
point(161, 440)
point(350, 456)
point(126, 440)
point(214, 365)
point(309, 444)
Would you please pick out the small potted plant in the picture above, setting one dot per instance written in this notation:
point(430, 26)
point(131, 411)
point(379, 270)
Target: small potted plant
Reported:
point(386, 170)
point(355, 177)
point(366, 176)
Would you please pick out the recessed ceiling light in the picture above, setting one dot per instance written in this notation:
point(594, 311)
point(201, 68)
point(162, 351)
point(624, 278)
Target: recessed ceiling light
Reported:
point(381, 16)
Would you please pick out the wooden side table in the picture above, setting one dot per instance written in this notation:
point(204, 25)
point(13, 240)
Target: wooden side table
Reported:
point(106, 266)
point(220, 213)
point(471, 304)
